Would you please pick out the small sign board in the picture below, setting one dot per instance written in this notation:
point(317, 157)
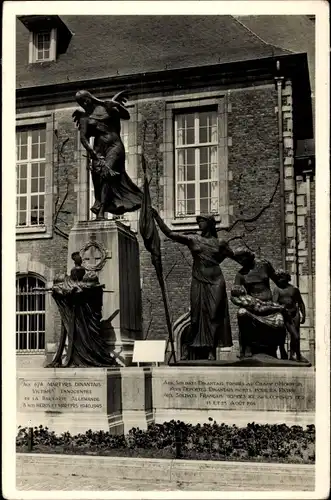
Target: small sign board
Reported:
point(149, 351)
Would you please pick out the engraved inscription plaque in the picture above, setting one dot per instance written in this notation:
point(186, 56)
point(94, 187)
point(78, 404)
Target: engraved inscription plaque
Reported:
point(61, 395)
point(236, 395)
point(263, 390)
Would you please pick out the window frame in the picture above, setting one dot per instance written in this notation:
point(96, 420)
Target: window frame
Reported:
point(33, 46)
point(29, 312)
point(195, 146)
point(29, 162)
point(180, 104)
point(27, 121)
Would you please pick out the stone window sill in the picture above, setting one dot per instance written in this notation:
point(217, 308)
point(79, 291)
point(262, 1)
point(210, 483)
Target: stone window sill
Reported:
point(190, 223)
point(30, 229)
point(28, 352)
point(32, 232)
point(190, 220)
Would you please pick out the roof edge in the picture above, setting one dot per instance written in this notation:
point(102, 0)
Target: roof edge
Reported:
point(265, 63)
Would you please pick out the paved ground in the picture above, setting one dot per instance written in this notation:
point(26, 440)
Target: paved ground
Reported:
point(105, 484)
point(43, 483)
point(66, 473)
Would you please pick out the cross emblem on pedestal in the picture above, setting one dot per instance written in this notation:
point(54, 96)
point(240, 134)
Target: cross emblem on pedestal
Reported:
point(93, 255)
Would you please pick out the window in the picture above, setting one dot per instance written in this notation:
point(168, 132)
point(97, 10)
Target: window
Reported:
point(125, 139)
point(30, 313)
point(43, 46)
point(196, 163)
point(30, 176)
point(34, 175)
point(195, 159)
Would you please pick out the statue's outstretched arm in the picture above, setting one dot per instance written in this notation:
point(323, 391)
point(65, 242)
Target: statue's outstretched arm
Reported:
point(271, 272)
point(178, 237)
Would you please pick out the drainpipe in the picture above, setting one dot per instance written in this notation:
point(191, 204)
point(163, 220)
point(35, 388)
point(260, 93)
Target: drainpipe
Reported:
point(311, 337)
point(279, 85)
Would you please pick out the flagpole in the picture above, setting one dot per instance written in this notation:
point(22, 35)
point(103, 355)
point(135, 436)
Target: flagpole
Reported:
point(167, 315)
point(151, 238)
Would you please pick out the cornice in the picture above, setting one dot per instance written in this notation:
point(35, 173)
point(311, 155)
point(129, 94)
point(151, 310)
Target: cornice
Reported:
point(220, 76)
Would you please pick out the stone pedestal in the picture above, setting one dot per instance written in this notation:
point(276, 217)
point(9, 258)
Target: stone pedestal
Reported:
point(117, 399)
point(111, 250)
point(70, 399)
point(137, 405)
point(78, 399)
point(237, 395)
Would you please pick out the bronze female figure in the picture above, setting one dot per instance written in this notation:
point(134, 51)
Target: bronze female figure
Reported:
point(210, 321)
point(113, 189)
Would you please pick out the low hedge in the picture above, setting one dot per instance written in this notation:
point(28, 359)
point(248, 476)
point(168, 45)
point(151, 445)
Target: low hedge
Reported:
point(210, 441)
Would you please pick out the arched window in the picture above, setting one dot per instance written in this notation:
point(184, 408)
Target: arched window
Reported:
point(30, 313)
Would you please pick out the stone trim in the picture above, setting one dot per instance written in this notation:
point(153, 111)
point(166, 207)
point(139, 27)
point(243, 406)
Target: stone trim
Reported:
point(289, 180)
point(295, 218)
point(25, 265)
point(305, 281)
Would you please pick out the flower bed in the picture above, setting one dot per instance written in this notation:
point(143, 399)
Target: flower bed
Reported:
point(212, 441)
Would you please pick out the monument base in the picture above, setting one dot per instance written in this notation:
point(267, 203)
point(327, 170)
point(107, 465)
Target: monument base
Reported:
point(79, 399)
point(237, 395)
point(111, 249)
point(235, 417)
point(117, 399)
point(256, 360)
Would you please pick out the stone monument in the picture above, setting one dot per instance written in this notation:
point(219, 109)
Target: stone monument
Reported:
point(99, 301)
point(100, 304)
point(258, 386)
point(108, 247)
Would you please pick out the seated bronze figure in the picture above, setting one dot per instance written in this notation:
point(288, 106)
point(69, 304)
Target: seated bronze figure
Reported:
point(260, 320)
point(79, 300)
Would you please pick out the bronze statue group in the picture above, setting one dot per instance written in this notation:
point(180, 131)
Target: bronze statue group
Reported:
point(264, 317)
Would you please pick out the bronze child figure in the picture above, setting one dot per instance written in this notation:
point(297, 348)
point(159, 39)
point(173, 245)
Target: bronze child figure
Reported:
point(290, 297)
point(78, 271)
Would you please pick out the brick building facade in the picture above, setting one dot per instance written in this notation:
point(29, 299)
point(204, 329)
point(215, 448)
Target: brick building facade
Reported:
point(261, 170)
